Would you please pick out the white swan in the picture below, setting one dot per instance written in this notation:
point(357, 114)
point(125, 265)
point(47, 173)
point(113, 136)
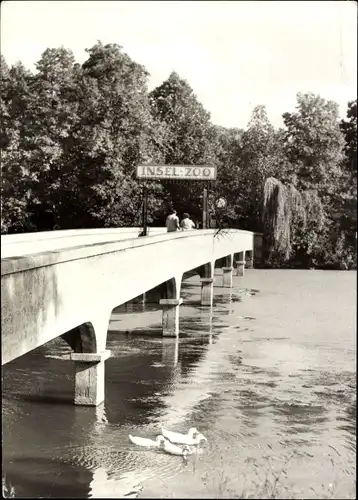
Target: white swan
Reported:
point(192, 438)
point(148, 443)
point(162, 444)
point(173, 449)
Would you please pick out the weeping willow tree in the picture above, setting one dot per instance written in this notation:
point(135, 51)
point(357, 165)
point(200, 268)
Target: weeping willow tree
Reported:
point(291, 221)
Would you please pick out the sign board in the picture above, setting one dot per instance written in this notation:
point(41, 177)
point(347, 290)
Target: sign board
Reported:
point(178, 172)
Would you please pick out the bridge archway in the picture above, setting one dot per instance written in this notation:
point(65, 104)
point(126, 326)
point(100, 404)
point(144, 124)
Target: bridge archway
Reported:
point(170, 289)
point(203, 271)
point(82, 338)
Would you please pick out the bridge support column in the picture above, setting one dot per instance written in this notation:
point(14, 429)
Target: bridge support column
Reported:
point(227, 276)
point(89, 377)
point(240, 264)
point(258, 248)
point(170, 316)
point(207, 291)
point(249, 259)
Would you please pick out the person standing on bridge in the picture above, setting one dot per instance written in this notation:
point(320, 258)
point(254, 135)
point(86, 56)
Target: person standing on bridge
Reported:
point(172, 222)
point(187, 224)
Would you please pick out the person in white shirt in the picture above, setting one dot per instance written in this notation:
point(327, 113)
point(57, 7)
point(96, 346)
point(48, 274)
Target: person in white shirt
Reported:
point(187, 224)
point(172, 222)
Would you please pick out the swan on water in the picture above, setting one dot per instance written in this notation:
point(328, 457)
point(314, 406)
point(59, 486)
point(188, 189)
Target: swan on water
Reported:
point(193, 437)
point(148, 443)
point(162, 444)
point(174, 449)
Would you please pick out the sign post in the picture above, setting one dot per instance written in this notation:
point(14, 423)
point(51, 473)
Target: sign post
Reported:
point(145, 210)
point(205, 208)
point(176, 173)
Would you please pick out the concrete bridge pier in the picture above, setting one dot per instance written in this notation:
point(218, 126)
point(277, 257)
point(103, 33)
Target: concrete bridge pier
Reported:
point(88, 341)
point(170, 322)
point(240, 264)
point(207, 284)
point(170, 304)
point(249, 259)
point(258, 248)
point(207, 291)
point(227, 271)
point(89, 377)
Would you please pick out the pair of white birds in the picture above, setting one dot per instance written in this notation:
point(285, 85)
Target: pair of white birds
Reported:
point(168, 441)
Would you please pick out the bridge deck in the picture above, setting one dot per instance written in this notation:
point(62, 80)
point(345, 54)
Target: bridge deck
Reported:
point(16, 245)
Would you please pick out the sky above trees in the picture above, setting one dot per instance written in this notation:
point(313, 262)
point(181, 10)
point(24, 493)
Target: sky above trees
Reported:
point(235, 55)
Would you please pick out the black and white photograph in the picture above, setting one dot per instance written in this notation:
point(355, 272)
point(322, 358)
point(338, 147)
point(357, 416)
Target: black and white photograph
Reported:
point(179, 249)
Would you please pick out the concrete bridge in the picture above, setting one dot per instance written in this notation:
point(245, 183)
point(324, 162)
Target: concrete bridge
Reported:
point(66, 283)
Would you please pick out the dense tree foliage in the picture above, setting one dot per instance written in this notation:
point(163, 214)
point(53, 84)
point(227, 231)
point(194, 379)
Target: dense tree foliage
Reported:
point(261, 157)
point(189, 138)
point(17, 172)
point(314, 143)
point(72, 135)
point(349, 128)
point(228, 147)
point(314, 146)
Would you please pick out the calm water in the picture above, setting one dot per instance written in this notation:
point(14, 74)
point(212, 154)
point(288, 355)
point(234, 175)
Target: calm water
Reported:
point(268, 375)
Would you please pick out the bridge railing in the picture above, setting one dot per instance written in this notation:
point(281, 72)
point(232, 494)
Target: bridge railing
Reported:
point(27, 243)
point(86, 248)
point(45, 235)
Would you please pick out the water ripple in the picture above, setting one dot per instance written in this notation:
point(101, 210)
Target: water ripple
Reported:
point(264, 375)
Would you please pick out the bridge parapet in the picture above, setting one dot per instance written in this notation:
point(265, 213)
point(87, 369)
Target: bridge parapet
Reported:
point(13, 245)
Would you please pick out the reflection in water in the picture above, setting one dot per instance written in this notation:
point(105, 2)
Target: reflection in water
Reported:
point(267, 374)
point(101, 414)
point(170, 351)
point(103, 486)
point(206, 319)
